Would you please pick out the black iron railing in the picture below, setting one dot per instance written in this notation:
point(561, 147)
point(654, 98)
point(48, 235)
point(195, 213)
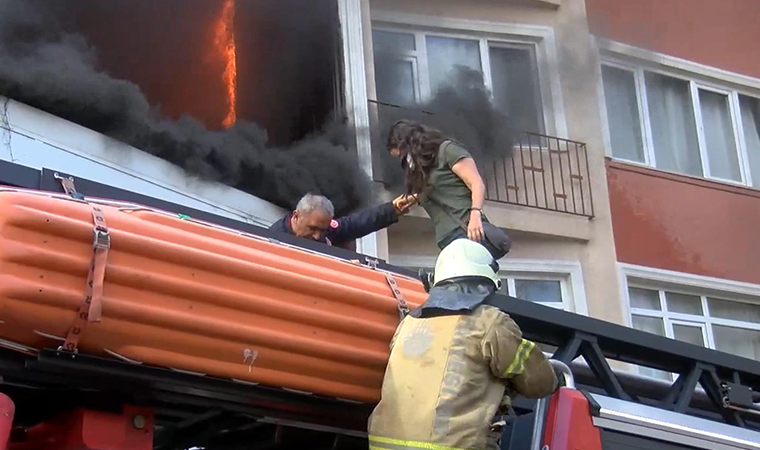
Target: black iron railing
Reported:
point(544, 172)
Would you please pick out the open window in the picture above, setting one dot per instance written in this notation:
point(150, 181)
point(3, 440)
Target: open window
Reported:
point(219, 61)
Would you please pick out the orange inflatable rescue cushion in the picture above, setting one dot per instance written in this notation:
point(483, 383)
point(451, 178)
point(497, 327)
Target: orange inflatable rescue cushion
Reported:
point(195, 297)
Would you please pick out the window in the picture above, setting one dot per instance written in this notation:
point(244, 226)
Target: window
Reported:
point(727, 325)
point(682, 125)
point(750, 111)
point(538, 288)
point(720, 141)
point(558, 284)
point(445, 54)
point(625, 121)
point(410, 67)
point(710, 312)
point(674, 130)
point(730, 326)
point(549, 292)
point(396, 78)
point(515, 88)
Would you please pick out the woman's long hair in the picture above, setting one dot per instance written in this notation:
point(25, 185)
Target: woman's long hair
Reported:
point(419, 146)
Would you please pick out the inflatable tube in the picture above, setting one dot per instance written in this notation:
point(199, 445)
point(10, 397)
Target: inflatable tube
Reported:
point(196, 297)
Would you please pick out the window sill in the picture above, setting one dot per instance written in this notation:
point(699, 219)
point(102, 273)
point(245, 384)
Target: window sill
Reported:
point(681, 178)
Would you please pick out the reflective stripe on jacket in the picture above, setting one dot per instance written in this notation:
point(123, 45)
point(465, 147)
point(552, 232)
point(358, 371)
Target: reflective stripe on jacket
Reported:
point(447, 376)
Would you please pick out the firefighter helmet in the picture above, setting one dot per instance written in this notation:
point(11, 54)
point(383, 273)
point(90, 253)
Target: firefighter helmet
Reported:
point(466, 258)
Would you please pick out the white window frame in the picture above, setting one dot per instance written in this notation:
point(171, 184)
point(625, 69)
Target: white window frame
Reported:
point(510, 278)
point(706, 335)
point(419, 63)
point(677, 282)
point(734, 113)
point(540, 39)
point(643, 108)
point(354, 16)
point(568, 273)
point(638, 61)
point(416, 74)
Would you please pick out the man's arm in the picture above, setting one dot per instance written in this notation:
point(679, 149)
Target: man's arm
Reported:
point(368, 220)
point(518, 360)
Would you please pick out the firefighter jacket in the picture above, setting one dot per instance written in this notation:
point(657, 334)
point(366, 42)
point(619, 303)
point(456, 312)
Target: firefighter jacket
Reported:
point(447, 377)
point(349, 228)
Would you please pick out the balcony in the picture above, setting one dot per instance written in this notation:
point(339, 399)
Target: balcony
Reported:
point(544, 172)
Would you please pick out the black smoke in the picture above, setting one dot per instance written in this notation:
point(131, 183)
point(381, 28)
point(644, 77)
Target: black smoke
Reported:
point(462, 109)
point(44, 65)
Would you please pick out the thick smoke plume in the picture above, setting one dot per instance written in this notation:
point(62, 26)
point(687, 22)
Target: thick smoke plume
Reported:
point(462, 110)
point(54, 70)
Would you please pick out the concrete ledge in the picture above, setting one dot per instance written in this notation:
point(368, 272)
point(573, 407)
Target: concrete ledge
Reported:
point(554, 4)
point(533, 221)
point(37, 139)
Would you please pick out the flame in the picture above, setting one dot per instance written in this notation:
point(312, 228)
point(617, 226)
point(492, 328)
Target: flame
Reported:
point(225, 44)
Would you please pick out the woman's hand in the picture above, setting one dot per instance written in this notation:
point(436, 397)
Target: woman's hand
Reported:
point(475, 227)
point(404, 203)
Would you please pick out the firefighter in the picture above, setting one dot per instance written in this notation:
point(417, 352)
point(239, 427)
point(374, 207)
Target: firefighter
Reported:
point(456, 362)
point(313, 219)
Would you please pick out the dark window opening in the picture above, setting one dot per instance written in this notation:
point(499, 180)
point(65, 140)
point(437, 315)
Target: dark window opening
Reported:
point(283, 57)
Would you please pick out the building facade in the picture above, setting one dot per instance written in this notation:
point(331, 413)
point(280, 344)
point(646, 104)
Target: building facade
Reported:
point(680, 93)
point(633, 194)
point(551, 194)
point(664, 96)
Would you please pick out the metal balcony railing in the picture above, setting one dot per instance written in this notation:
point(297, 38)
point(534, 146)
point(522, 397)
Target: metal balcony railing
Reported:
point(544, 172)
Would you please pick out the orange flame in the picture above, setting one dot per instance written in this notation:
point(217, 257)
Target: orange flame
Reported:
point(225, 43)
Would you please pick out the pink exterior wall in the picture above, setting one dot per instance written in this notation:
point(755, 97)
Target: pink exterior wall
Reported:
point(718, 33)
point(684, 224)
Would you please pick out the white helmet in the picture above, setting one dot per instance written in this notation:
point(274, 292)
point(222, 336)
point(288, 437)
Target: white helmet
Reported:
point(466, 258)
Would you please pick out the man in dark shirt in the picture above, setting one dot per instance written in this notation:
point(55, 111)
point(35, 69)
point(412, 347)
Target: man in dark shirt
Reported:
point(313, 219)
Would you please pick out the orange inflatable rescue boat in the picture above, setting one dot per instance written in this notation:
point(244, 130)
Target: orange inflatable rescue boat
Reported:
point(172, 292)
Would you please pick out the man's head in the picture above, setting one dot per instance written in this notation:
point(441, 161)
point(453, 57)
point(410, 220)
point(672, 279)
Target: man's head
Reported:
point(466, 259)
point(312, 217)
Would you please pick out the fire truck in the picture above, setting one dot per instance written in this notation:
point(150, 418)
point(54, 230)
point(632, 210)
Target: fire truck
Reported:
point(55, 398)
point(182, 360)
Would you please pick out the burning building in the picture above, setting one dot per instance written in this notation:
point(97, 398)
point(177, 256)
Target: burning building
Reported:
point(617, 118)
point(236, 91)
point(220, 60)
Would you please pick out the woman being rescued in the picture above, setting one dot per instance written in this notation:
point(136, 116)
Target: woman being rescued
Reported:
point(443, 176)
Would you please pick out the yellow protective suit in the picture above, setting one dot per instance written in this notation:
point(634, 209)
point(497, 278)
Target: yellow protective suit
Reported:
point(447, 376)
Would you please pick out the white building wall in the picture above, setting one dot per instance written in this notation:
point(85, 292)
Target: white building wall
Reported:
point(36, 139)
